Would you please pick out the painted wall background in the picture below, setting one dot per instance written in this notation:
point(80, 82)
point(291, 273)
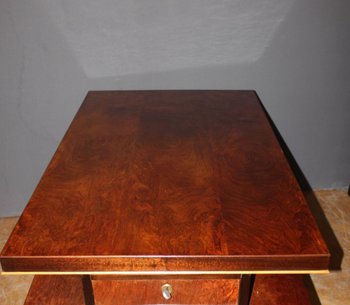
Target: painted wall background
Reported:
point(294, 53)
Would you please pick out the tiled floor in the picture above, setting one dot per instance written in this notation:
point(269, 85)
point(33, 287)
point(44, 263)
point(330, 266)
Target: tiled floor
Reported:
point(13, 289)
point(334, 288)
point(332, 210)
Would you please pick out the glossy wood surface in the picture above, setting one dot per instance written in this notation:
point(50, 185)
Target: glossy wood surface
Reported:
point(267, 290)
point(135, 292)
point(56, 290)
point(280, 290)
point(167, 180)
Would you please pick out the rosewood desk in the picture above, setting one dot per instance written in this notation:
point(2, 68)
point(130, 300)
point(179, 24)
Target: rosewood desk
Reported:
point(167, 197)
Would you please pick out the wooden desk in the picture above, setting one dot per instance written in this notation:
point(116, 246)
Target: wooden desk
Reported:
point(151, 187)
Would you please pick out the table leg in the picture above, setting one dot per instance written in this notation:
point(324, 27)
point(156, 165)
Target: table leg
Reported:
point(88, 290)
point(245, 289)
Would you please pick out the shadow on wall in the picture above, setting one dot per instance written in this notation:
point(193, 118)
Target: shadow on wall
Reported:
point(334, 247)
point(327, 232)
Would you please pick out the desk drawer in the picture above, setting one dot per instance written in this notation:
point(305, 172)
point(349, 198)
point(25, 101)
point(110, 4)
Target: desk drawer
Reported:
point(166, 291)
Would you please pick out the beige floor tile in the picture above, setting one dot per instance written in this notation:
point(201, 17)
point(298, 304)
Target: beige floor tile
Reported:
point(334, 288)
point(13, 289)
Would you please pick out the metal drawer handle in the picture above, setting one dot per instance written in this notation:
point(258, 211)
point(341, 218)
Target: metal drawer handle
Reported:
point(166, 291)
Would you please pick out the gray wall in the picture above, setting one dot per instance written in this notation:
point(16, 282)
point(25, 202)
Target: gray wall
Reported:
point(294, 53)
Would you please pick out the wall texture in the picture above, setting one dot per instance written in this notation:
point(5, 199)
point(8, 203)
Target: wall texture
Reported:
point(294, 53)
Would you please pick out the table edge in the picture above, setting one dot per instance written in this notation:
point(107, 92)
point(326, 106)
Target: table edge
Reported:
point(219, 263)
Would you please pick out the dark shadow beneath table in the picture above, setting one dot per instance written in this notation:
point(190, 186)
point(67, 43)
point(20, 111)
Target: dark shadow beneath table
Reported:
point(327, 232)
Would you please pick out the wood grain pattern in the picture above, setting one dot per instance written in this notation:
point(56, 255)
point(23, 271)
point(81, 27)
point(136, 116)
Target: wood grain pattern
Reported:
point(267, 290)
point(56, 290)
point(135, 292)
point(280, 290)
point(167, 180)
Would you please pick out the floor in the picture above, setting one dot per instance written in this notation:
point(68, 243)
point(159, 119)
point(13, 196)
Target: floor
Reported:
point(332, 211)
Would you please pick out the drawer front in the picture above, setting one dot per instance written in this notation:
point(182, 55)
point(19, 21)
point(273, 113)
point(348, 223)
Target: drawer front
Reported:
point(163, 291)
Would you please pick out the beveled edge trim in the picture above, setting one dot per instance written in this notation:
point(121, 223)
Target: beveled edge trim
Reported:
point(325, 271)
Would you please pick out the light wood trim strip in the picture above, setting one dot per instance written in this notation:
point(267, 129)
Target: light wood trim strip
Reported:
point(165, 272)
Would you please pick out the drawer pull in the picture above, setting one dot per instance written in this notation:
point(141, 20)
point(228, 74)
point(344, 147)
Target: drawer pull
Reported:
point(166, 291)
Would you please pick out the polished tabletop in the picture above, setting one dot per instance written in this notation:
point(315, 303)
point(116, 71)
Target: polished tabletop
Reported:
point(167, 181)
